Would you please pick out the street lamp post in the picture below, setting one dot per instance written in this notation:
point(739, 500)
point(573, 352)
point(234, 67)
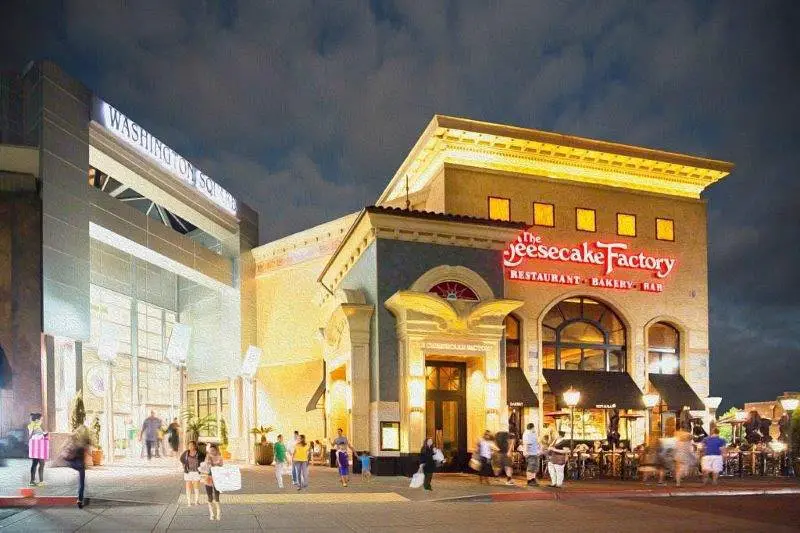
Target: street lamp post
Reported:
point(650, 400)
point(789, 405)
point(571, 398)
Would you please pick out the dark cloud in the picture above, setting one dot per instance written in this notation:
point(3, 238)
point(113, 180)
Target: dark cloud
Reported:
point(306, 109)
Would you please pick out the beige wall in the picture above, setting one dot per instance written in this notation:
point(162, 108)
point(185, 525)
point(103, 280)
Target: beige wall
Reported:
point(685, 298)
point(282, 393)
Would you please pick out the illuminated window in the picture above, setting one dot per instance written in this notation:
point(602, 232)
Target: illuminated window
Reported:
point(512, 341)
point(499, 208)
point(663, 349)
point(665, 229)
point(626, 225)
point(585, 219)
point(583, 334)
point(543, 215)
point(390, 436)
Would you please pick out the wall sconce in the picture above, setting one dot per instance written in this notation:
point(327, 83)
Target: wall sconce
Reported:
point(492, 396)
point(415, 368)
point(416, 394)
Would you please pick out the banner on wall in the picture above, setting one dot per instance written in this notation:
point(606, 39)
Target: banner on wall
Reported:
point(178, 344)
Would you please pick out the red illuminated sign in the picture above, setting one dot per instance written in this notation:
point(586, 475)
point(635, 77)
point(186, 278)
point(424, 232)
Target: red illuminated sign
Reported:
point(609, 256)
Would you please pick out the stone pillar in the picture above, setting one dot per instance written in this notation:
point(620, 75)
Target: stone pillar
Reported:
point(358, 374)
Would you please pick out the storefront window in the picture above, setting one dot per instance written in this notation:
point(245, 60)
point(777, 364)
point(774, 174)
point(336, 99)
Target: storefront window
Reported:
point(512, 341)
point(663, 349)
point(583, 334)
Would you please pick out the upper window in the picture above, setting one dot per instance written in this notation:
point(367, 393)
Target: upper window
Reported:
point(454, 290)
point(543, 215)
point(585, 219)
point(626, 225)
point(583, 334)
point(512, 341)
point(665, 229)
point(663, 349)
point(499, 208)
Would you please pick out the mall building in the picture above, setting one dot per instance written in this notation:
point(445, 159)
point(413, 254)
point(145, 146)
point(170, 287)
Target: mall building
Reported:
point(108, 239)
point(500, 267)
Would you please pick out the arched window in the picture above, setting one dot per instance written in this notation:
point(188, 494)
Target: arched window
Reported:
point(583, 334)
point(454, 290)
point(663, 349)
point(512, 341)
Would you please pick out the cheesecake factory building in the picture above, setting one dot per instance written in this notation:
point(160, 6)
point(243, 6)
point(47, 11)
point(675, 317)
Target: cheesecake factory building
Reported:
point(500, 267)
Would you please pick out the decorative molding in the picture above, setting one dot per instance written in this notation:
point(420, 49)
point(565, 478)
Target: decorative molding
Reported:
point(462, 274)
point(451, 140)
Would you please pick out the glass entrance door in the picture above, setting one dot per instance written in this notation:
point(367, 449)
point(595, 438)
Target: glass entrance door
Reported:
point(445, 411)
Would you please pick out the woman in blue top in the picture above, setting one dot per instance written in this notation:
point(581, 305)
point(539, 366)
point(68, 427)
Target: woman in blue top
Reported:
point(343, 463)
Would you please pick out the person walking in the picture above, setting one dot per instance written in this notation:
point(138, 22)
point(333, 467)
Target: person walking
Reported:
point(557, 459)
point(150, 430)
point(213, 458)
point(280, 460)
point(191, 459)
point(530, 449)
point(428, 462)
point(38, 448)
point(300, 463)
point(290, 454)
point(173, 435)
point(485, 455)
point(503, 441)
point(711, 463)
point(74, 454)
point(366, 469)
point(343, 462)
point(685, 459)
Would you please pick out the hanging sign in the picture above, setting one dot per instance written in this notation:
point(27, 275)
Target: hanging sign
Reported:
point(609, 257)
point(178, 344)
point(251, 359)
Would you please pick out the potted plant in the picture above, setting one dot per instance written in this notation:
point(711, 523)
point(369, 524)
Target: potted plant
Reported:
point(196, 425)
point(263, 450)
point(223, 437)
point(97, 450)
point(78, 423)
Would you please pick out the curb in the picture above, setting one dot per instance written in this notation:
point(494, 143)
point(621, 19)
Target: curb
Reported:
point(35, 501)
point(556, 496)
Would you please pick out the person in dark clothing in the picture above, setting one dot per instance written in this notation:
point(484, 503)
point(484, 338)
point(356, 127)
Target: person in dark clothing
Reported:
point(698, 433)
point(427, 462)
point(752, 427)
point(75, 456)
point(173, 435)
point(766, 423)
point(613, 428)
point(503, 441)
point(783, 428)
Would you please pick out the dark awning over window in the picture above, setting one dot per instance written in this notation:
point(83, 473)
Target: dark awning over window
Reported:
point(314, 403)
point(519, 391)
point(599, 390)
point(675, 392)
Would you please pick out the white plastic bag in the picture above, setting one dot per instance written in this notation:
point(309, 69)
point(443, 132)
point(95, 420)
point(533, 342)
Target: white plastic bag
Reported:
point(438, 456)
point(226, 478)
point(417, 479)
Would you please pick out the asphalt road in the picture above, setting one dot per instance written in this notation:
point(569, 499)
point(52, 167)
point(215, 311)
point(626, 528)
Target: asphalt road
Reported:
point(713, 514)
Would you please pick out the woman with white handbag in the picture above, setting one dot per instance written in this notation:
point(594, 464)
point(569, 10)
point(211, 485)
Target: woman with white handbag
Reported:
point(213, 458)
point(427, 459)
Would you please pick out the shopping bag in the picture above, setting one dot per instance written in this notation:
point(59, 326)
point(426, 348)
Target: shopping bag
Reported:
point(286, 469)
point(475, 464)
point(39, 447)
point(417, 479)
point(438, 456)
point(226, 478)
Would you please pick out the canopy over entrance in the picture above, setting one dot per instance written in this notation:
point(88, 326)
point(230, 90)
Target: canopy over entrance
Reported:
point(599, 390)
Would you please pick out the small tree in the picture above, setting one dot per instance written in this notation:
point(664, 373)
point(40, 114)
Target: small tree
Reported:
point(96, 433)
point(726, 430)
point(223, 432)
point(78, 411)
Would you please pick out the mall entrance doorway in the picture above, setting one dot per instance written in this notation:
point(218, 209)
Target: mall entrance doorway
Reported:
point(446, 411)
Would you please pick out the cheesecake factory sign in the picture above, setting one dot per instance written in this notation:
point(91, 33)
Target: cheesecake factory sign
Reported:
point(611, 258)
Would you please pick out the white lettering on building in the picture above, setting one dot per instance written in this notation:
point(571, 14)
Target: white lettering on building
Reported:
point(166, 157)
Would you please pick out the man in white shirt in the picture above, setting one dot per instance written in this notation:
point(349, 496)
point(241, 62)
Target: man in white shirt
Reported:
point(485, 450)
point(530, 449)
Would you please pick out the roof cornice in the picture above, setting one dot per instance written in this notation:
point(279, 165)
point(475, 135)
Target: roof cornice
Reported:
point(551, 155)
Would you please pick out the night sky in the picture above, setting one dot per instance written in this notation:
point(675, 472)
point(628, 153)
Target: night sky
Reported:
point(305, 110)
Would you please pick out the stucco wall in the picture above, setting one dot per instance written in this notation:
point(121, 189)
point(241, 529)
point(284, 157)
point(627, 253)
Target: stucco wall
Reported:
point(400, 263)
point(282, 394)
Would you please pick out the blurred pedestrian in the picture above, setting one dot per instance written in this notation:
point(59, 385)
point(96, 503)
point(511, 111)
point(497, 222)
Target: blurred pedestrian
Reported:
point(713, 450)
point(557, 455)
point(151, 428)
point(685, 458)
point(650, 465)
point(191, 460)
point(366, 468)
point(280, 461)
point(300, 462)
point(173, 435)
point(427, 461)
point(213, 458)
point(38, 447)
point(343, 462)
point(503, 442)
point(290, 454)
point(530, 449)
point(74, 453)
point(485, 450)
